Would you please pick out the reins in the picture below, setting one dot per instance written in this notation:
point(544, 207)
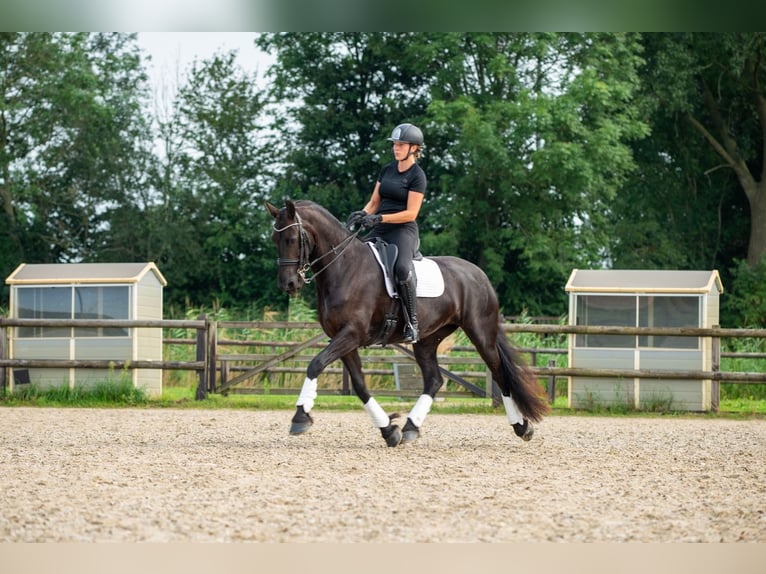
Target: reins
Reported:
point(303, 262)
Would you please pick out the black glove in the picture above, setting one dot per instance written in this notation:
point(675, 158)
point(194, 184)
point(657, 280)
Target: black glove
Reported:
point(370, 221)
point(355, 219)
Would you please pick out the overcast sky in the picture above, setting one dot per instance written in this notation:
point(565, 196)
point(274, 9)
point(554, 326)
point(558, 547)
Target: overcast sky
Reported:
point(173, 52)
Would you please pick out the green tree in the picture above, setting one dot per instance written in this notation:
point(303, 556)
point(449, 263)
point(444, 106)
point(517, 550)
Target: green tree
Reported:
point(533, 132)
point(213, 232)
point(71, 130)
point(676, 212)
point(341, 94)
point(709, 93)
point(697, 199)
point(525, 139)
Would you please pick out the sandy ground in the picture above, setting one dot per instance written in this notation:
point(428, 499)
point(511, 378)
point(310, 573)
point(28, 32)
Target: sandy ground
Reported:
point(161, 475)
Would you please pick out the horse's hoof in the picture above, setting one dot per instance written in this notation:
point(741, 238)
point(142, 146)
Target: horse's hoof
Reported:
point(410, 433)
point(524, 430)
point(300, 428)
point(301, 422)
point(392, 434)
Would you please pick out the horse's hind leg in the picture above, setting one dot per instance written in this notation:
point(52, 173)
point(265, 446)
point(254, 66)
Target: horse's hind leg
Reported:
point(520, 389)
point(521, 426)
point(390, 432)
point(425, 355)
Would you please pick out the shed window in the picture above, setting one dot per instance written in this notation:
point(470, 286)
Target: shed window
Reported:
point(638, 311)
point(74, 302)
point(607, 311)
point(44, 303)
point(101, 303)
point(654, 311)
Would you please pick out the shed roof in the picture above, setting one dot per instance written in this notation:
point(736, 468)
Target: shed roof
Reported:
point(644, 281)
point(63, 273)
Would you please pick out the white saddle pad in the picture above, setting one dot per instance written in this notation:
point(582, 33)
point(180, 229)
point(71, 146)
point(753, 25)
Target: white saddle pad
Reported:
point(430, 279)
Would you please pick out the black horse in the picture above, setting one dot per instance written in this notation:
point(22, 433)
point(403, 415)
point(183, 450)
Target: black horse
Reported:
point(354, 306)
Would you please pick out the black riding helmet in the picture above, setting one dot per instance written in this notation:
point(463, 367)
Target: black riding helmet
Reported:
point(407, 133)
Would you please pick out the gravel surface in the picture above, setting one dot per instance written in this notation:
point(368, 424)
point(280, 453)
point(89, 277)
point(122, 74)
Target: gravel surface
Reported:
point(167, 475)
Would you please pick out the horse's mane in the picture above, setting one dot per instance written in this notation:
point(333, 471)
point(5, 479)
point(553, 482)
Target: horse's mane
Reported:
point(322, 211)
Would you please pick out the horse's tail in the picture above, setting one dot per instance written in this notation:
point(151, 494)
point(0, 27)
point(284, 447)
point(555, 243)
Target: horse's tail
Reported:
point(524, 387)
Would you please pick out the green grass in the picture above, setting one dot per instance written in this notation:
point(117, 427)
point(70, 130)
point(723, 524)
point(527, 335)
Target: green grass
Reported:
point(101, 394)
point(122, 394)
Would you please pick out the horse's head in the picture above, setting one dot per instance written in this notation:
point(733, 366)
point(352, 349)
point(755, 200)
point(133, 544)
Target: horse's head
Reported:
point(294, 246)
point(309, 240)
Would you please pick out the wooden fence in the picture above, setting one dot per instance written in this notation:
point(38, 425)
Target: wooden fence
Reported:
point(220, 372)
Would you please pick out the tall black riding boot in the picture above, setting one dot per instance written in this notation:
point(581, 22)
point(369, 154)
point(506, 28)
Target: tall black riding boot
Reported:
point(407, 291)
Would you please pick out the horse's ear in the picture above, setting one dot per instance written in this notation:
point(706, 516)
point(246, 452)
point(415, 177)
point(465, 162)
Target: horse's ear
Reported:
point(272, 210)
point(290, 209)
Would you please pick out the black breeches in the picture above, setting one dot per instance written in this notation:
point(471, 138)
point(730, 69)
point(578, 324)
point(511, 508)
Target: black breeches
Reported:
point(406, 238)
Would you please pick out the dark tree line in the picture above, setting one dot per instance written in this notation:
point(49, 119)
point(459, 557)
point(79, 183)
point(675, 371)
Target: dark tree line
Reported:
point(544, 152)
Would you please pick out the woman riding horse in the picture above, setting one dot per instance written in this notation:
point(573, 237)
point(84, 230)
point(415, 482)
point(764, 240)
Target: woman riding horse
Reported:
point(392, 211)
point(353, 304)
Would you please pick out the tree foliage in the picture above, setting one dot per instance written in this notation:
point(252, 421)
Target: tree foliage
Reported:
point(72, 135)
point(696, 201)
point(211, 187)
point(544, 152)
point(525, 139)
point(534, 131)
point(342, 94)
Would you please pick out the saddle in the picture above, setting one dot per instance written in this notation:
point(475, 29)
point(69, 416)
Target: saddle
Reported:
point(430, 281)
point(428, 273)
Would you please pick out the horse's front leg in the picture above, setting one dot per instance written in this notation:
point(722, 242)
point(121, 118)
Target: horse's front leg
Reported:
point(425, 354)
point(340, 345)
point(390, 432)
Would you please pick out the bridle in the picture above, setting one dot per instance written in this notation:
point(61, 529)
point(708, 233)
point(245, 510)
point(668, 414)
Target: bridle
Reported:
point(304, 263)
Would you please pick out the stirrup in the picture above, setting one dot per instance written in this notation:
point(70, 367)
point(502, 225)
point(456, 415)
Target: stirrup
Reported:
point(410, 334)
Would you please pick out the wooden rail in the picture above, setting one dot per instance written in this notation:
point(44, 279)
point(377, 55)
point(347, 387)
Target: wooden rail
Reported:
point(210, 361)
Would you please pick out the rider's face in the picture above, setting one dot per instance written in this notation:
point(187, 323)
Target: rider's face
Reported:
point(401, 150)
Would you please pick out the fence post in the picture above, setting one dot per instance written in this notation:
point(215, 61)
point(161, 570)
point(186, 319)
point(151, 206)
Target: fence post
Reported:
point(3, 370)
point(202, 356)
point(224, 372)
point(212, 342)
point(497, 395)
point(345, 389)
point(552, 383)
point(715, 386)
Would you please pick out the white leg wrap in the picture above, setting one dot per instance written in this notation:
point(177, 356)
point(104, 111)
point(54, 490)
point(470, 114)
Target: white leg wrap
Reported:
point(377, 414)
point(308, 394)
point(513, 414)
point(420, 410)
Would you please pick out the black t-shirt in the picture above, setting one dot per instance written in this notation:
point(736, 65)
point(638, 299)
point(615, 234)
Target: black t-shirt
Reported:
point(395, 186)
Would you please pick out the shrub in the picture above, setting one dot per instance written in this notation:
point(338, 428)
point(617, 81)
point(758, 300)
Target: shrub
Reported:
point(745, 302)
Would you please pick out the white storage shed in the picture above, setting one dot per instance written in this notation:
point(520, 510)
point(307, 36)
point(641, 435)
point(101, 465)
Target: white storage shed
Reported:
point(87, 291)
point(642, 298)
